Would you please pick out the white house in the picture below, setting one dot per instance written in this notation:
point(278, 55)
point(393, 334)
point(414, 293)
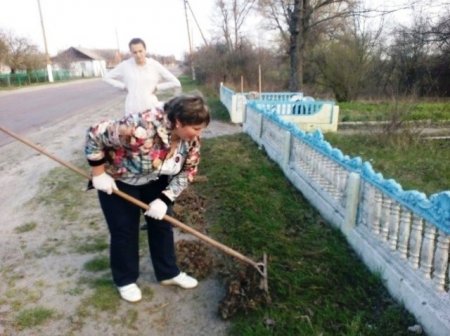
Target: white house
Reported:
point(80, 62)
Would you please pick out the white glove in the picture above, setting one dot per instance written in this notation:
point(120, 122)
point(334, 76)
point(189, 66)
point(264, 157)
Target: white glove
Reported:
point(104, 182)
point(157, 209)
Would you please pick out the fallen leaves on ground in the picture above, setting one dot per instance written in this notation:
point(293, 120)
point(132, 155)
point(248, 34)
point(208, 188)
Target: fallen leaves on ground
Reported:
point(194, 258)
point(245, 293)
point(244, 290)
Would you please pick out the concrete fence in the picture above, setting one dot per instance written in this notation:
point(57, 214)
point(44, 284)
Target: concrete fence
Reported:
point(402, 235)
point(306, 113)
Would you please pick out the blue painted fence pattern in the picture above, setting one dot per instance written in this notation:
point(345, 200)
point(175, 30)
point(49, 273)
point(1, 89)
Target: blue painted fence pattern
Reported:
point(435, 209)
point(291, 107)
point(274, 96)
point(405, 235)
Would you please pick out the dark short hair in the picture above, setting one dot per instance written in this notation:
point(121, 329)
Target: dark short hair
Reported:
point(188, 109)
point(136, 40)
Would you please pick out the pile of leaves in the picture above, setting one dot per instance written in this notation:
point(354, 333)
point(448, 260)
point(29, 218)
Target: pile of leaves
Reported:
point(245, 292)
point(244, 287)
point(195, 258)
point(190, 209)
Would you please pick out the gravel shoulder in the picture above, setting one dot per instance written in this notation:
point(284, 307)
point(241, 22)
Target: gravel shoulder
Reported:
point(42, 268)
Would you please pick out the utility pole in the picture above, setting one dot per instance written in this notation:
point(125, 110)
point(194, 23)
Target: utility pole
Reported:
point(118, 57)
point(190, 41)
point(49, 63)
point(196, 22)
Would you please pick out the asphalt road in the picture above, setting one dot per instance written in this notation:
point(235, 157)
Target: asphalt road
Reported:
point(28, 109)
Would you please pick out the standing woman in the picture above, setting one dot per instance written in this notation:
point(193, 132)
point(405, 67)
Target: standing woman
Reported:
point(151, 156)
point(142, 77)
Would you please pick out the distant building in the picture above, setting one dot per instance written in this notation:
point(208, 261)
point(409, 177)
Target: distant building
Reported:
point(4, 69)
point(80, 62)
point(112, 57)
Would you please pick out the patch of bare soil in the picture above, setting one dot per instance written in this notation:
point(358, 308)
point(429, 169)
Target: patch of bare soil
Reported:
point(47, 240)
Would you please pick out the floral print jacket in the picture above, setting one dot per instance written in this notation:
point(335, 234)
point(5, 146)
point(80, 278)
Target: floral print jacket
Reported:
point(134, 148)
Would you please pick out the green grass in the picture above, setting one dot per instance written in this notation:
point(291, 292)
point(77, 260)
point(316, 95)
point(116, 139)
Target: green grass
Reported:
point(317, 283)
point(188, 84)
point(104, 297)
point(32, 317)
point(420, 165)
point(98, 264)
point(88, 245)
point(27, 227)
point(409, 110)
point(218, 110)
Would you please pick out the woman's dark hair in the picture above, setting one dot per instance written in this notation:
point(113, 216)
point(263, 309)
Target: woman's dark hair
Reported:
point(136, 40)
point(188, 109)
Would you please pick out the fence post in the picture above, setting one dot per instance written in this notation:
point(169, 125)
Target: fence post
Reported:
point(260, 127)
point(233, 105)
point(351, 202)
point(286, 148)
point(334, 117)
point(241, 101)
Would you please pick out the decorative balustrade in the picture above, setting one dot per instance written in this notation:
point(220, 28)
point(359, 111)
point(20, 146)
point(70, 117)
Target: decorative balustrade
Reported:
point(274, 96)
point(304, 108)
point(403, 235)
point(305, 112)
point(226, 97)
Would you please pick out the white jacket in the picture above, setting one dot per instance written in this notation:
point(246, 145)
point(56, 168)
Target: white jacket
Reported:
point(141, 82)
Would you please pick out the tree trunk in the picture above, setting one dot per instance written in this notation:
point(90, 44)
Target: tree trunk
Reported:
point(294, 47)
point(300, 62)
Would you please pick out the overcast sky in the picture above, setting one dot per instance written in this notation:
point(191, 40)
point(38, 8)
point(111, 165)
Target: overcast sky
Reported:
point(94, 23)
point(112, 23)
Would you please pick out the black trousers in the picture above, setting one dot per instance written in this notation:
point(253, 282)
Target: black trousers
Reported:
point(123, 218)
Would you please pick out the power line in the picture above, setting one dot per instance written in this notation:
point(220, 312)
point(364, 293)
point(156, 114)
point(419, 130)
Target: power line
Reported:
point(196, 22)
point(190, 41)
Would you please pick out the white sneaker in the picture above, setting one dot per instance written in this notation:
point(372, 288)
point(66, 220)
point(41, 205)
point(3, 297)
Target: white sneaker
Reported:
point(130, 293)
point(183, 280)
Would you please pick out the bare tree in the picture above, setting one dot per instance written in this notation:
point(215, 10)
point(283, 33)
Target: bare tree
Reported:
point(233, 14)
point(414, 54)
point(295, 20)
point(35, 61)
point(344, 64)
point(442, 30)
point(225, 24)
point(3, 47)
point(22, 54)
point(346, 58)
point(435, 33)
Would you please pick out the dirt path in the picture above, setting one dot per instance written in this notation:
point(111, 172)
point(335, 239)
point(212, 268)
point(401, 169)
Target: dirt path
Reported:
point(44, 250)
point(427, 129)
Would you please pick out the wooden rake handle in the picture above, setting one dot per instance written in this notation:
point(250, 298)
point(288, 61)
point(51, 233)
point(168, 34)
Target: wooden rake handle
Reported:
point(260, 267)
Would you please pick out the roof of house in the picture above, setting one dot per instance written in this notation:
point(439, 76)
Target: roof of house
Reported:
point(77, 53)
point(89, 53)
